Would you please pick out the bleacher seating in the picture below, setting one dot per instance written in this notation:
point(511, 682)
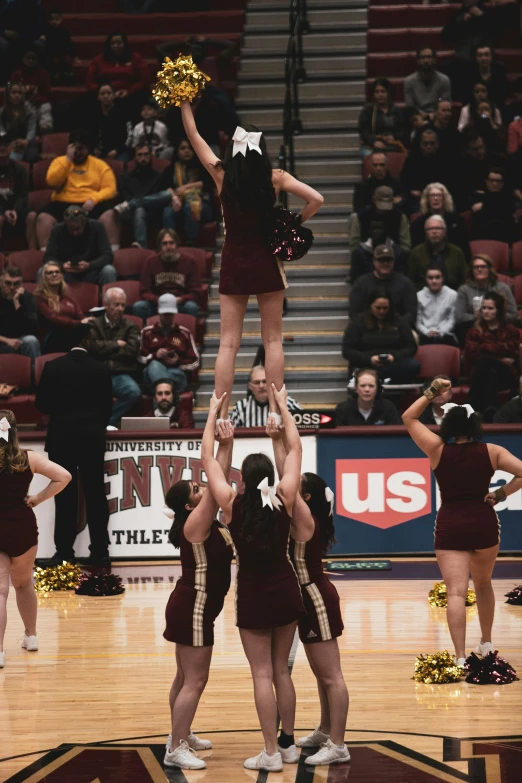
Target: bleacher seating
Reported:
point(28, 262)
point(438, 359)
point(131, 288)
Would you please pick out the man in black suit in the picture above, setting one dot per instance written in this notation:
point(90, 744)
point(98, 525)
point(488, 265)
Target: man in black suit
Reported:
point(75, 390)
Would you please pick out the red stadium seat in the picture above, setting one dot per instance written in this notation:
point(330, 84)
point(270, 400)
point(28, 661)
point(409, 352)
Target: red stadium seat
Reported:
point(28, 261)
point(37, 199)
point(55, 144)
point(40, 362)
point(505, 279)
point(517, 290)
point(15, 370)
point(135, 320)
point(389, 40)
point(497, 251)
point(395, 164)
point(40, 169)
point(203, 259)
point(516, 257)
point(131, 288)
point(438, 360)
point(30, 287)
point(129, 261)
point(86, 294)
point(117, 166)
point(158, 164)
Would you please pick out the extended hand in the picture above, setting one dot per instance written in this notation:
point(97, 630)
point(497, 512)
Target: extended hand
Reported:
point(280, 396)
point(216, 402)
point(225, 432)
point(273, 430)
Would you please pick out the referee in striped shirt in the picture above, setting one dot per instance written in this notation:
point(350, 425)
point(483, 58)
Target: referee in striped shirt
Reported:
point(252, 411)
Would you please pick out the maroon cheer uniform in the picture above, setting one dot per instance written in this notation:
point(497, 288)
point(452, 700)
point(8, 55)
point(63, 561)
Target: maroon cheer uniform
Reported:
point(464, 521)
point(200, 592)
point(323, 619)
point(267, 590)
point(247, 263)
point(18, 530)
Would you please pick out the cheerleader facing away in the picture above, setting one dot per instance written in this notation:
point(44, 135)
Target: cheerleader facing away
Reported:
point(18, 530)
point(206, 553)
point(268, 598)
point(248, 188)
point(322, 624)
point(467, 529)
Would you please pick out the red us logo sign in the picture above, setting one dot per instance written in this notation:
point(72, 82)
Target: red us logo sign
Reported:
point(383, 492)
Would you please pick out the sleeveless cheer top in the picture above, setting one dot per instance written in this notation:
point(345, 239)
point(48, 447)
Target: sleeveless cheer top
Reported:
point(307, 557)
point(205, 566)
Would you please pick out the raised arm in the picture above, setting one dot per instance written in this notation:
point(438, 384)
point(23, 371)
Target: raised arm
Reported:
point(288, 487)
point(275, 433)
point(312, 198)
point(59, 478)
point(206, 157)
point(221, 490)
point(426, 440)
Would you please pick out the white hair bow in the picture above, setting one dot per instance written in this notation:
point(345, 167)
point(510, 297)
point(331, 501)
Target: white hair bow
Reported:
point(168, 512)
point(329, 495)
point(268, 495)
point(244, 140)
point(4, 429)
point(449, 405)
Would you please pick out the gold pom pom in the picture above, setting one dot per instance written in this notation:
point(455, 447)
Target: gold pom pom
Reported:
point(437, 669)
point(61, 577)
point(179, 80)
point(439, 596)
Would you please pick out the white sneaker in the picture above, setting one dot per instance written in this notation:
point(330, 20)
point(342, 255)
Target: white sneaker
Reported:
point(30, 643)
point(484, 648)
point(122, 207)
point(110, 428)
point(183, 757)
point(194, 742)
point(272, 763)
point(2, 660)
point(313, 740)
point(289, 755)
point(460, 662)
point(329, 754)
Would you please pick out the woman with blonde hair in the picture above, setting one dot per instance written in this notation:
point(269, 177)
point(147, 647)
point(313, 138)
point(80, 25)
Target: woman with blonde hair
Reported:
point(58, 312)
point(18, 530)
point(437, 200)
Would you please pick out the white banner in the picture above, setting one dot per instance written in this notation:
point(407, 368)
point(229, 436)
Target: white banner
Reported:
point(138, 474)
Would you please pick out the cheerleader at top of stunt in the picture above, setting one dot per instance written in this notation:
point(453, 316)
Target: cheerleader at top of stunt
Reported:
point(248, 188)
point(206, 552)
point(268, 598)
point(467, 529)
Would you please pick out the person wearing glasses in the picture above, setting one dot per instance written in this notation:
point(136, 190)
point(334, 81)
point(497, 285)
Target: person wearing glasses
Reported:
point(493, 210)
point(58, 311)
point(437, 251)
point(18, 316)
point(252, 410)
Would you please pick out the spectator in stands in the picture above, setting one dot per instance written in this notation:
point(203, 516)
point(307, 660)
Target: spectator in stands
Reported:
point(474, 168)
point(166, 403)
point(14, 189)
point(482, 116)
point(494, 209)
point(381, 122)
point(384, 212)
point(126, 71)
point(436, 251)
point(482, 280)
point(79, 178)
point(367, 406)
point(109, 126)
point(513, 108)
point(150, 131)
point(59, 50)
point(169, 271)
point(361, 259)
point(436, 313)
point(427, 86)
point(451, 142)
point(397, 287)
point(490, 72)
point(58, 311)
point(434, 414)
point(115, 340)
point(168, 349)
point(379, 175)
point(133, 187)
point(514, 136)
point(437, 200)
point(21, 23)
point(252, 410)
point(424, 165)
point(511, 412)
point(81, 247)
point(37, 88)
point(380, 339)
point(18, 316)
point(18, 120)
point(491, 352)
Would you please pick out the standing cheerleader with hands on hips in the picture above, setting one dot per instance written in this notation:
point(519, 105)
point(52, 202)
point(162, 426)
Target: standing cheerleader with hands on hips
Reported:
point(248, 188)
point(268, 598)
point(322, 624)
point(467, 529)
point(206, 552)
point(18, 530)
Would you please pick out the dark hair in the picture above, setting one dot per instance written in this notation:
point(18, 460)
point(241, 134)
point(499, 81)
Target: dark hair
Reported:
point(381, 82)
point(425, 49)
point(434, 267)
point(141, 145)
point(431, 131)
point(258, 522)
point(427, 384)
point(314, 485)
point(172, 385)
point(482, 46)
point(126, 54)
point(163, 233)
point(12, 271)
point(390, 319)
point(247, 183)
point(497, 170)
point(471, 135)
point(176, 499)
point(81, 136)
point(500, 304)
point(457, 424)
point(104, 84)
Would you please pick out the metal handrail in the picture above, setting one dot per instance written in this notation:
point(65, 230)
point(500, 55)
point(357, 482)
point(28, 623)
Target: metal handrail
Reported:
point(295, 74)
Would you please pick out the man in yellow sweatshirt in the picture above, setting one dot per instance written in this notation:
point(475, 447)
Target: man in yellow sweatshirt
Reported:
point(80, 179)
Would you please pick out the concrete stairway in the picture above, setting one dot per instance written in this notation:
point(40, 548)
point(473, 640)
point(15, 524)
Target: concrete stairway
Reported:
point(327, 157)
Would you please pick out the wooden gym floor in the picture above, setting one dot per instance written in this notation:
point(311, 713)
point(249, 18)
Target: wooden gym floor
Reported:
point(92, 705)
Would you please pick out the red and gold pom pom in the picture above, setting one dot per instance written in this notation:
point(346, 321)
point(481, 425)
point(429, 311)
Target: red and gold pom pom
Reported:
point(100, 584)
point(60, 577)
point(439, 596)
point(437, 669)
point(289, 240)
point(179, 80)
point(490, 670)
point(514, 597)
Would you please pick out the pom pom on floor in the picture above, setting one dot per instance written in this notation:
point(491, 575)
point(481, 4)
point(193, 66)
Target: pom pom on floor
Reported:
point(60, 577)
point(438, 596)
point(100, 584)
point(490, 670)
point(514, 597)
point(179, 80)
point(437, 669)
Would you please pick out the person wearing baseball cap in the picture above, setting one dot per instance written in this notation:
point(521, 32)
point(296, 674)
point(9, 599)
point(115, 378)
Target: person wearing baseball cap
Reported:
point(167, 349)
point(14, 188)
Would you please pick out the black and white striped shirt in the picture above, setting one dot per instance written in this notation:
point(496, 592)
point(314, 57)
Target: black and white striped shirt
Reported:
point(250, 413)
